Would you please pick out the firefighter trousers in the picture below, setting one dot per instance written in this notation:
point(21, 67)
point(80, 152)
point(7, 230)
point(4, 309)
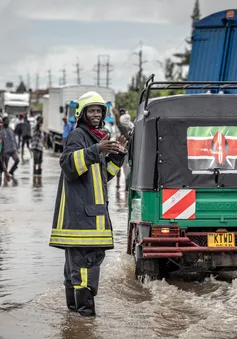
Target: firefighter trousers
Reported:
point(82, 267)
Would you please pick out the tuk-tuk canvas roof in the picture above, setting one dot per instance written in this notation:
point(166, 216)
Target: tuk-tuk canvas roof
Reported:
point(164, 154)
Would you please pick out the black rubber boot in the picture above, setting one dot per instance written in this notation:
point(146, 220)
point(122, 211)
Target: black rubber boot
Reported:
point(70, 299)
point(85, 304)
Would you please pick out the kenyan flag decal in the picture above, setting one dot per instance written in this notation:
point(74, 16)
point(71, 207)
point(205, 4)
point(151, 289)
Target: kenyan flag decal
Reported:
point(212, 147)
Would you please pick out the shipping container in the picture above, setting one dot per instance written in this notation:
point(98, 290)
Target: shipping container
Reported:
point(214, 49)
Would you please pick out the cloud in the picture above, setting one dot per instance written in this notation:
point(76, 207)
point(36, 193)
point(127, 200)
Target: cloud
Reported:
point(97, 11)
point(151, 11)
point(35, 37)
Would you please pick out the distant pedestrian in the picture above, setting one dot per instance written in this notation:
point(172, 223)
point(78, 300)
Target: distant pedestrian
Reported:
point(10, 149)
point(26, 136)
point(114, 134)
point(72, 121)
point(3, 168)
point(125, 126)
point(37, 147)
point(18, 128)
point(67, 128)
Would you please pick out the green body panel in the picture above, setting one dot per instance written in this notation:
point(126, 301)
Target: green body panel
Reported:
point(214, 208)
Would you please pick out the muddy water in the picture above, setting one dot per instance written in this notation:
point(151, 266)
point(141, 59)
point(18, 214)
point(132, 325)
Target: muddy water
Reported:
point(31, 273)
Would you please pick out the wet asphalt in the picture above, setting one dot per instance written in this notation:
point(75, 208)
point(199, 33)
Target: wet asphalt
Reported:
point(32, 302)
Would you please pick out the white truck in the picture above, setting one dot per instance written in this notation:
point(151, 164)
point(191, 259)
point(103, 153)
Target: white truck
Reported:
point(59, 103)
point(15, 103)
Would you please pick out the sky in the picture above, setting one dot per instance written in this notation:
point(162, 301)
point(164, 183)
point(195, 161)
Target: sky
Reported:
point(41, 35)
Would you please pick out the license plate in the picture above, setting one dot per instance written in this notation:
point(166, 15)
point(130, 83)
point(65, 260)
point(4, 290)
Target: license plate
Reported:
point(221, 240)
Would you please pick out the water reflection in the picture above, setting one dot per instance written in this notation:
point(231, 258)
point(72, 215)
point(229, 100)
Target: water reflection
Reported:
point(32, 301)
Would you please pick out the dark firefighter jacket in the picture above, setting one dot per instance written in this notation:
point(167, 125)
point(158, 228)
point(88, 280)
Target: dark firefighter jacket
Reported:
point(81, 216)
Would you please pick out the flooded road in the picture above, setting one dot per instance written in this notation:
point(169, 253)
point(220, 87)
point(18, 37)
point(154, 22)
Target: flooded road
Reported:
point(32, 302)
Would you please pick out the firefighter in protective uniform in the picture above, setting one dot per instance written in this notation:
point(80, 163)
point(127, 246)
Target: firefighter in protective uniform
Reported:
point(81, 222)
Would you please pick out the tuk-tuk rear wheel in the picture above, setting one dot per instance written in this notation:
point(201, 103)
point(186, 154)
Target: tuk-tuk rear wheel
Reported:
point(147, 267)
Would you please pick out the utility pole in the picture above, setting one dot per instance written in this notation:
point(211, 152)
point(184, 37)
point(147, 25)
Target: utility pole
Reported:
point(98, 70)
point(64, 78)
point(103, 63)
point(78, 69)
point(37, 81)
point(50, 78)
point(108, 70)
point(28, 81)
point(37, 86)
point(140, 69)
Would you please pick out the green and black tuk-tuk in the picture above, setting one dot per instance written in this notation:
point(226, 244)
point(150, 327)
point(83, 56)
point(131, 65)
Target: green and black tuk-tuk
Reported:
point(183, 189)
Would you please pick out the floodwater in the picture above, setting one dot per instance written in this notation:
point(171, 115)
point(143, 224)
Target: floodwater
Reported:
point(32, 303)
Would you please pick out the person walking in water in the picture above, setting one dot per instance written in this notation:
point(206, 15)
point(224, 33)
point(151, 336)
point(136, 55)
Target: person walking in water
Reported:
point(67, 128)
point(26, 136)
point(125, 126)
point(3, 168)
point(18, 128)
point(37, 147)
point(81, 223)
point(10, 150)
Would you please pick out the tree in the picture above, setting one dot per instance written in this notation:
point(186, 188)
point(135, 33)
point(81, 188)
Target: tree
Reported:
point(196, 16)
point(21, 88)
point(136, 83)
point(169, 69)
point(184, 58)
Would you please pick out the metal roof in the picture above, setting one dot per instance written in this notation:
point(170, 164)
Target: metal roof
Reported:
point(218, 19)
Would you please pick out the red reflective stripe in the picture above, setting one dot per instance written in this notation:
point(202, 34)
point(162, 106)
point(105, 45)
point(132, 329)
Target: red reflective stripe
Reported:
point(168, 193)
point(192, 217)
point(180, 206)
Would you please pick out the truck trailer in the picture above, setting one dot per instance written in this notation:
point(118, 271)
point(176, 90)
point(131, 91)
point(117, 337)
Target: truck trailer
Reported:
point(14, 103)
point(214, 49)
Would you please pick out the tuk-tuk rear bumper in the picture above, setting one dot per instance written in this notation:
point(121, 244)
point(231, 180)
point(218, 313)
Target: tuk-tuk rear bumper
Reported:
point(177, 251)
point(176, 243)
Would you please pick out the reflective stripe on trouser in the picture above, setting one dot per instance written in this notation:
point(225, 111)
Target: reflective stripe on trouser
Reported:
point(82, 267)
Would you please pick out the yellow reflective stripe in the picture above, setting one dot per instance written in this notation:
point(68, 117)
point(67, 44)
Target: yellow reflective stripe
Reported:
point(81, 233)
point(111, 171)
point(84, 277)
point(79, 161)
point(97, 183)
point(99, 195)
point(112, 168)
point(81, 241)
point(100, 223)
point(61, 209)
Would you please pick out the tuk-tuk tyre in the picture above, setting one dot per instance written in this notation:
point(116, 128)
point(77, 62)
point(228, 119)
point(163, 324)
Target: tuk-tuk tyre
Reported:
point(147, 267)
